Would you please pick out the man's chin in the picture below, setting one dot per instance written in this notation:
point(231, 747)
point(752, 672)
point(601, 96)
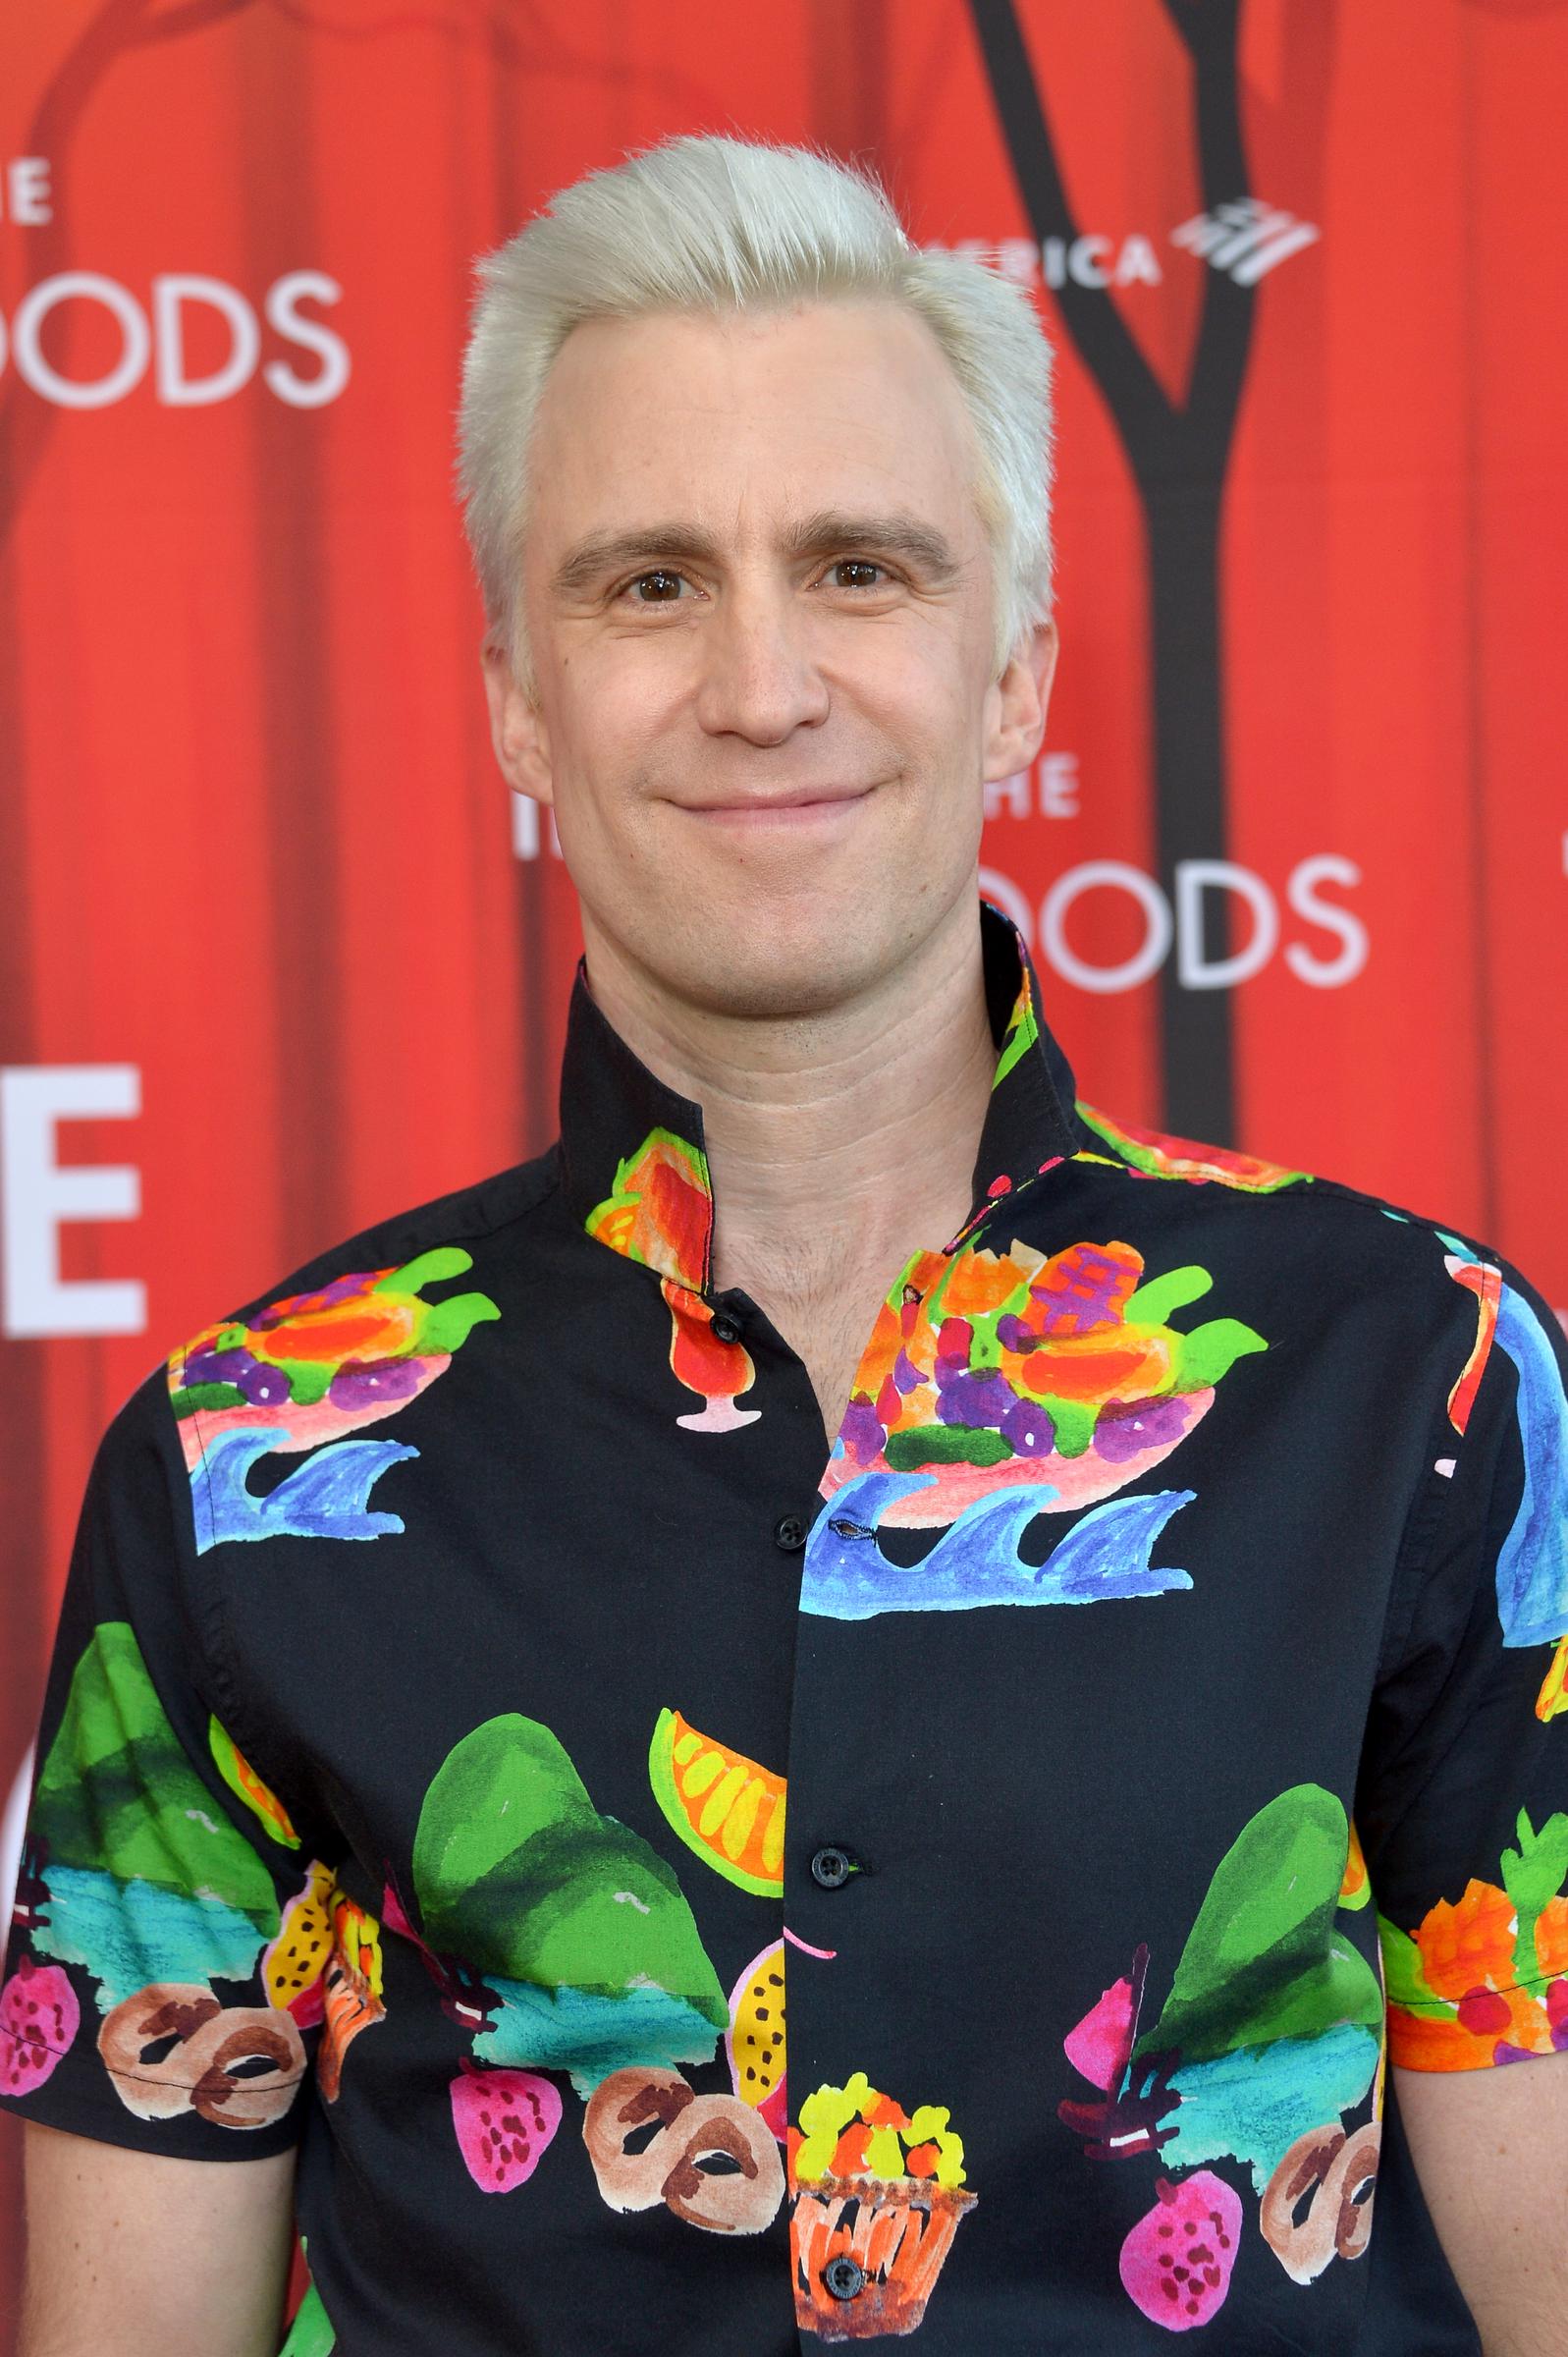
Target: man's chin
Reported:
point(768, 969)
point(774, 939)
point(776, 990)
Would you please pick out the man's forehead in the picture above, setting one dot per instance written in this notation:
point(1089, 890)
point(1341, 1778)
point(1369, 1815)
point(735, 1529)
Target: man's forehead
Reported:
point(875, 324)
point(754, 427)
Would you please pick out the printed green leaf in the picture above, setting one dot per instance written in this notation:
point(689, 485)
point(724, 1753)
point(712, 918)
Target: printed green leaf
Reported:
point(500, 1785)
point(447, 1324)
point(312, 2334)
point(1153, 1303)
point(1206, 1355)
point(589, 1905)
point(945, 1445)
point(427, 1268)
point(1263, 1959)
point(119, 1795)
point(1022, 1034)
point(310, 1380)
point(1072, 1421)
point(1532, 1875)
point(518, 1874)
point(1402, 1968)
point(199, 1398)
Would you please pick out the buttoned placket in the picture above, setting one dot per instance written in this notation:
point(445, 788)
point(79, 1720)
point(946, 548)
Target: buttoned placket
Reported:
point(833, 1869)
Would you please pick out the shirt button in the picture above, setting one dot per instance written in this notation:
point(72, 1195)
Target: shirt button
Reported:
point(831, 1869)
point(725, 1328)
point(844, 2276)
point(789, 1533)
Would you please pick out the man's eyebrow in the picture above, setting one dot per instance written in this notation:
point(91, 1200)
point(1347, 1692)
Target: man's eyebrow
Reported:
point(835, 531)
point(602, 553)
point(830, 531)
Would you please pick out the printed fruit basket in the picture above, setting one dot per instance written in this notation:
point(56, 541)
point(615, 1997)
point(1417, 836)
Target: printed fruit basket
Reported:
point(878, 2186)
point(899, 2231)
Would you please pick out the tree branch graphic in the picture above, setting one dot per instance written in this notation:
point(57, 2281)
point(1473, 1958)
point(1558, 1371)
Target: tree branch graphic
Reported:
point(1178, 457)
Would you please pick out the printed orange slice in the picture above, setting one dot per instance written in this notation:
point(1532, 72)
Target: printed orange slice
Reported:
point(724, 1807)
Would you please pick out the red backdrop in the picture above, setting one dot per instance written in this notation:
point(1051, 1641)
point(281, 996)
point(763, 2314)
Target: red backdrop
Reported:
point(275, 957)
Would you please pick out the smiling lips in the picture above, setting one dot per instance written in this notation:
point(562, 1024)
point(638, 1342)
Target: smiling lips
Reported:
point(780, 810)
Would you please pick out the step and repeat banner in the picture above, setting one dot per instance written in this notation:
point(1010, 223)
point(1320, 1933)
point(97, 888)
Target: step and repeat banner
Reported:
point(277, 954)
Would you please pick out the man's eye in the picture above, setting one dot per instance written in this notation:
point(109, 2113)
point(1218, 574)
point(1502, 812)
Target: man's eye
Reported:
point(661, 587)
point(862, 569)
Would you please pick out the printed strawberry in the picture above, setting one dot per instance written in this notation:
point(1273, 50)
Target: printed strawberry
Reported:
point(1176, 2263)
point(504, 2120)
point(38, 2017)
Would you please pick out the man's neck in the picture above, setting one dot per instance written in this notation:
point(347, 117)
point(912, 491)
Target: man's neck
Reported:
point(838, 1142)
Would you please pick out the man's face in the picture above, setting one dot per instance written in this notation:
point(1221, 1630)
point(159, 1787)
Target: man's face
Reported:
point(759, 601)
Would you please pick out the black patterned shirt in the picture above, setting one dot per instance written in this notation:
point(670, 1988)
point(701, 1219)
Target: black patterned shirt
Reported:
point(483, 1694)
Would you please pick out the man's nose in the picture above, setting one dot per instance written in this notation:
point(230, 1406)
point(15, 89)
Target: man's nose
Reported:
point(760, 677)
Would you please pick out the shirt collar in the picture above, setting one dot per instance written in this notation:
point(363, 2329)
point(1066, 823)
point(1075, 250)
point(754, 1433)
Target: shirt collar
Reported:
point(633, 1160)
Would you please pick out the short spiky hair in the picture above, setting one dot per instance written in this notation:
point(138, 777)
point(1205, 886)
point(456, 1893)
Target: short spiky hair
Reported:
point(717, 225)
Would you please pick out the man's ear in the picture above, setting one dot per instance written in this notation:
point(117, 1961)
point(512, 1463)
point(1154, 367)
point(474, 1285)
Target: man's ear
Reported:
point(516, 729)
point(1016, 706)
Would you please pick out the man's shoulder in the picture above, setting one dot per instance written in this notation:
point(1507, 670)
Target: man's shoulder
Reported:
point(375, 1313)
point(1306, 1220)
point(452, 1223)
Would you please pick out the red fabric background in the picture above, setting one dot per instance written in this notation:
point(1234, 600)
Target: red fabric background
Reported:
point(251, 841)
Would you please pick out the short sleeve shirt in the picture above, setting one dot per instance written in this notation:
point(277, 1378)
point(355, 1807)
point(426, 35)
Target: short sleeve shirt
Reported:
point(687, 1885)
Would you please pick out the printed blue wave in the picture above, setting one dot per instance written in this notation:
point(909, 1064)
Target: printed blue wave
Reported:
point(1532, 1562)
point(326, 1497)
point(976, 1561)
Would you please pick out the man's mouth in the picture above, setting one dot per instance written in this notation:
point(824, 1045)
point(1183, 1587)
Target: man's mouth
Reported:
point(800, 806)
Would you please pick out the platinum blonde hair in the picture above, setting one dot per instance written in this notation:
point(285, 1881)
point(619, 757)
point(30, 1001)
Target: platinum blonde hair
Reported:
point(722, 224)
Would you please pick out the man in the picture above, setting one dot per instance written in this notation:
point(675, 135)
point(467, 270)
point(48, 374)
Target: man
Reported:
point(1179, 1507)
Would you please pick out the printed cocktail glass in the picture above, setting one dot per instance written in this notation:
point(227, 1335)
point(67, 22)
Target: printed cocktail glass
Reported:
point(717, 1371)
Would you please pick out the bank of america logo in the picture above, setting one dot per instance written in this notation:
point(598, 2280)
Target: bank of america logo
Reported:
point(1246, 239)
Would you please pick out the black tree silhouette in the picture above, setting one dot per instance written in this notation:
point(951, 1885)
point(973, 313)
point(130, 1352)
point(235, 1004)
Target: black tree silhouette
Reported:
point(1178, 457)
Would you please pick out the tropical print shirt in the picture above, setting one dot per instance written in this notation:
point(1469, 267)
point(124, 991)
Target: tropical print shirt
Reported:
point(484, 1697)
